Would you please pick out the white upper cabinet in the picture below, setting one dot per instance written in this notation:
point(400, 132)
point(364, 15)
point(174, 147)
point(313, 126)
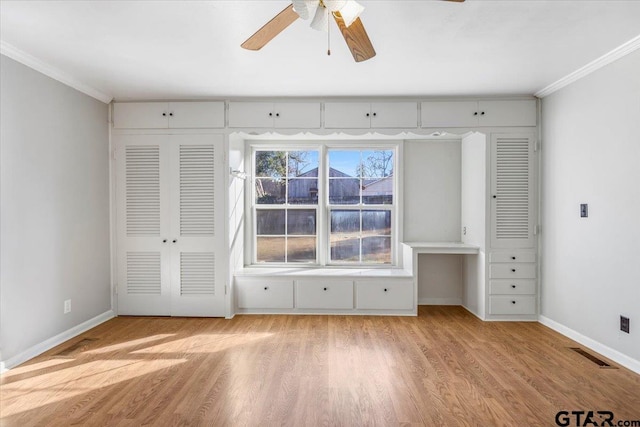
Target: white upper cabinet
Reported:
point(166, 115)
point(364, 115)
point(283, 115)
point(478, 113)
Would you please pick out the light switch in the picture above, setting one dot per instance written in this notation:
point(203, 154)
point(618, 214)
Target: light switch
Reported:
point(584, 210)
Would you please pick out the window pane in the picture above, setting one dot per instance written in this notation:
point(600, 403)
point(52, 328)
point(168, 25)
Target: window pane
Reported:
point(303, 163)
point(376, 249)
point(344, 191)
point(345, 221)
point(345, 247)
point(301, 249)
point(270, 191)
point(301, 222)
point(377, 163)
point(271, 163)
point(378, 191)
point(270, 249)
point(303, 191)
point(344, 163)
point(270, 222)
point(376, 222)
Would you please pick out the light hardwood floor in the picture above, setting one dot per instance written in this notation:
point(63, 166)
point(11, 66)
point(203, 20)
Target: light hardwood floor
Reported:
point(442, 368)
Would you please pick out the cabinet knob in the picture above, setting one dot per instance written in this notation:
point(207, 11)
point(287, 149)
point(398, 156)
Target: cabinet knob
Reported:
point(482, 113)
point(175, 240)
point(385, 289)
point(475, 113)
point(513, 270)
point(513, 257)
point(266, 288)
point(270, 114)
point(495, 197)
point(277, 114)
point(164, 114)
point(368, 114)
point(513, 302)
point(325, 289)
point(164, 240)
point(375, 114)
point(513, 286)
point(171, 114)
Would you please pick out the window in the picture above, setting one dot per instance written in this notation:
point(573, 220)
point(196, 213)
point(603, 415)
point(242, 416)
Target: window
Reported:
point(324, 205)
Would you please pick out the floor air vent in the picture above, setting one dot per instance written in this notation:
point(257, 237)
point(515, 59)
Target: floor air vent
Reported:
point(75, 348)
point(601, 363)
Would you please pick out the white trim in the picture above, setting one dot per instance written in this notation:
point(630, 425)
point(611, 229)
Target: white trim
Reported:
point(594, 345)
point(592, 66)
point(48, 344)
point(439, 301)
point(51, 71)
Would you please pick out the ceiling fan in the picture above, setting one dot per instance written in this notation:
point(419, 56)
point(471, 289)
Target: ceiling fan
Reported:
point(345, 12)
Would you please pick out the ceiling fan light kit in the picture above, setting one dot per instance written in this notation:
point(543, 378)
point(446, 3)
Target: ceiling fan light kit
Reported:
point(346, 13)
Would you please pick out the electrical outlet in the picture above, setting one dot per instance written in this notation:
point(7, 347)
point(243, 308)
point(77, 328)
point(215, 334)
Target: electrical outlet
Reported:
point(624, 324)
point(67, 306)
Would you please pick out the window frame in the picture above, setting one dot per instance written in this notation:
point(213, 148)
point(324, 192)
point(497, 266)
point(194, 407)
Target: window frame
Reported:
point(323, 207)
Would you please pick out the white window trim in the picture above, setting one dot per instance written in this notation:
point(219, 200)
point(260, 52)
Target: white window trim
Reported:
point(323, 209)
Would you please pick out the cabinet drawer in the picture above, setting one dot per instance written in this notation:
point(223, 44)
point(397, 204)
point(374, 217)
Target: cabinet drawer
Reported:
point(513, 256)
point(381, 295)
point(512, 304)
point(324, 294)
point(512, 287)
point(512, 271)
point(264, 293)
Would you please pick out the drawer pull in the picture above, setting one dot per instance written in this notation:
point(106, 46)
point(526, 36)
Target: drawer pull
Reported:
point(513, 270)
point(513, 302)
point(513, 258)
point(325, 289)
point(266, 288)
point(385, 289)
point(513, 286)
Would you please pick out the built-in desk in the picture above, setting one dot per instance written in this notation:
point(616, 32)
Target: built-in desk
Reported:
point(411, 252)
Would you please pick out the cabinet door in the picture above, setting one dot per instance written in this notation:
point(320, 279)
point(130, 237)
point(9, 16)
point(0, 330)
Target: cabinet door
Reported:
point(142, 205)
point(345, 115)
point(324, 294)
point(184, 115)
point(197, 239)
point(402, 115)
point(512, 190)
point(507, 113)
point(140, 115)
point(251, 114)
point(449, 114)
point(302, 115)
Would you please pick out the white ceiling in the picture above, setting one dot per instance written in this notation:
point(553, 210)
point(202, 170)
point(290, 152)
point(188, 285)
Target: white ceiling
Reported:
point(191, 49)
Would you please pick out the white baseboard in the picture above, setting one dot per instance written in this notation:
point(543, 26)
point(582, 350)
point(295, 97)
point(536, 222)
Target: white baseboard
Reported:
point(40, 348)
point(594, 345)
point(439, 301)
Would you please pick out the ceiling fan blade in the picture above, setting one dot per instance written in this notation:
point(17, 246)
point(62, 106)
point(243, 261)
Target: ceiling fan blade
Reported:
point(356, 37)
point(271, 29)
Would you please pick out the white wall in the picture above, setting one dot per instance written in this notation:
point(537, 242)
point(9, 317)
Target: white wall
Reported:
point(590, 270)
point(431, 213)
point(54, 210)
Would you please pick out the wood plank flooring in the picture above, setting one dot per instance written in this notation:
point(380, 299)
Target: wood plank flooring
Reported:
point(442, 368)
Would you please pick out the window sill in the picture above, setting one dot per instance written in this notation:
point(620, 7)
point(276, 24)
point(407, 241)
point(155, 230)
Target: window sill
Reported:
point(323, 272)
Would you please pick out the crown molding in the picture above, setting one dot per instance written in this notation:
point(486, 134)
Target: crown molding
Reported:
point(592, 66)
point(51, 71)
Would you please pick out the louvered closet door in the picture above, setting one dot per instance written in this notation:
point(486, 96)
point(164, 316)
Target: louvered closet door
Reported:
point(512, 197)
point(142, 207)
point(197, 215)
